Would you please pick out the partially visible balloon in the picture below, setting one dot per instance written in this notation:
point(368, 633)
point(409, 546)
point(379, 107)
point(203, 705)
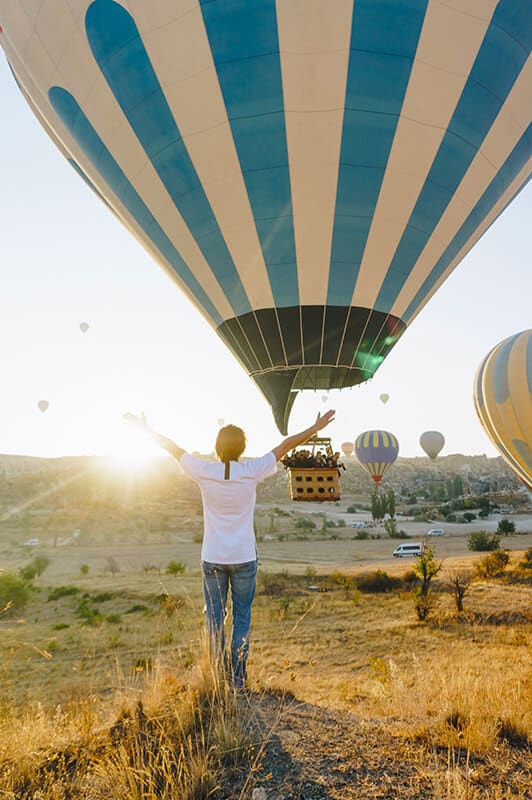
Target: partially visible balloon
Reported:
point(503, 401)
point(84, 327)
point(376, 451)
point(310, 220)
point(220, 422)
point(384, 398)
point(347, 448)
point(324, 398)
point(432, 442)
point(43, 405)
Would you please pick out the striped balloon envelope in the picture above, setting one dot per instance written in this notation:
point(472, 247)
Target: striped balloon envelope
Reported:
point(376, 451)
point(308, 172)
point(503, 401)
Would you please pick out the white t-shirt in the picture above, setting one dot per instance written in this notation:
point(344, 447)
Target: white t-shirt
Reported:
point(228, 506)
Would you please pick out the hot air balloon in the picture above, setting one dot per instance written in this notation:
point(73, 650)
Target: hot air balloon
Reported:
point(43, 405)
point(221, 422)
point(84, 327)
point(376, 451)
point(384, 398)
point(347, 448)
point(324, 398)
point(308, 178)
point(432, 442)
point(503, 401)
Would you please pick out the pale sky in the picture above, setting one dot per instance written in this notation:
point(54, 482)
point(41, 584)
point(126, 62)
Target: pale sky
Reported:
point(65, 259)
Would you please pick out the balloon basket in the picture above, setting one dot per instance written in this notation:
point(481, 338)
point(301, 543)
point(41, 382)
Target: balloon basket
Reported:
point(318, 485)
point(308, 481)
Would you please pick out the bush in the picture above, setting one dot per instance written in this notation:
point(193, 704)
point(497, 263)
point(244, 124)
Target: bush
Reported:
point(14, 592)
point(35, 568)
point(480, 541)
point(492, 565)
point(175, 568)
point(361, 534)
point(84, 569)
point(469, 516)
point(378, 581)
point(450, 517)
point(305, 524)
point(484, 513)
point(506, 527)
point(526, 563)
point(61, 591)
point(351, 510)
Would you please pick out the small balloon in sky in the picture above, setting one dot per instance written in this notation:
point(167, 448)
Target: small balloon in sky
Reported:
point(347, 448)
point(432, 442)
point(220, 422)
point(384, 398)
point(84, 327)
point(324, 398)
point(43, 405)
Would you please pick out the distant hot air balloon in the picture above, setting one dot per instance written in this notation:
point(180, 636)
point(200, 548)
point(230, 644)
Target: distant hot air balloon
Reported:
point(347, 448)
point(324, 398)
point(384, 398)
point(376, 451)
point(220, 422)
point(84, 327)
point(432, 442)
point(503, 401)
point(308, 179)
point(43, 405)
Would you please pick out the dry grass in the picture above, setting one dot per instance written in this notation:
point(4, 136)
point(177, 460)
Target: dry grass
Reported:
point(143, 715)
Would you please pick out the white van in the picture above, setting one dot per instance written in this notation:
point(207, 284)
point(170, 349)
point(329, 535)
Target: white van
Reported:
point(410, 549)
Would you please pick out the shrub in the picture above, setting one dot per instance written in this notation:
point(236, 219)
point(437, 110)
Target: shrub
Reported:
point(426, 568)
point(84, 569)
point(175, 568)
point(305, 524)
point(340, 523)
point(378, 581)
point(459, 582)
point(493, 564)
point(450, 517)
point(480, 541)
point(506, 527)
point(469, 516)
point(484, 513)
point(61, 591)
point(14, 592)
point(351, 510)
point(35, 568)
point(526, 563)
point(310, 572)
point(361, 534)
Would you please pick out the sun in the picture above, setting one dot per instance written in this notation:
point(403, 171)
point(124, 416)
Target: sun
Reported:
point(129, 451)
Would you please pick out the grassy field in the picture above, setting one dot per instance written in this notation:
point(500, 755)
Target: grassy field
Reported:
point(105, 626)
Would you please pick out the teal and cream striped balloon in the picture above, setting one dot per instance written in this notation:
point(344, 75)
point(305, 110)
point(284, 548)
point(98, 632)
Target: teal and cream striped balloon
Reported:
point(503, 401)
point(309, 172)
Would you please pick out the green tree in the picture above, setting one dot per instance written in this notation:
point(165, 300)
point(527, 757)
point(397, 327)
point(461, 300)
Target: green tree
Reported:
point(14, 592)
point(426, 568)
point(506, 526)
point(480, 541)
point(35, 568)
point(458, 487)
point(378, 505)
point(390, 502)
point(305, 524)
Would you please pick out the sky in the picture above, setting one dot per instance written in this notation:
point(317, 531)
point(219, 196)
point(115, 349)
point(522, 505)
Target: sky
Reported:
point(65, 259)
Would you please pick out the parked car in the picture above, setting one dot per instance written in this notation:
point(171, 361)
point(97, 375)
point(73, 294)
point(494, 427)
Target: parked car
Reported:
point(410, 549)
point(437, 532)
point(31, 543)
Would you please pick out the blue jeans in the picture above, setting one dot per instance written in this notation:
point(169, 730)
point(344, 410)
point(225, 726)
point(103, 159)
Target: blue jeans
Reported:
point(216, 581)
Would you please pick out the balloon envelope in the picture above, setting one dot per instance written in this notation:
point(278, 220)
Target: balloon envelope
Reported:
point(432, 442)
point(308, 178)
point(43, 405)
point(376, 451)
point(384, 398)
point(84, 327)
point(347, 448)
point(503, 401)
point(220, 422)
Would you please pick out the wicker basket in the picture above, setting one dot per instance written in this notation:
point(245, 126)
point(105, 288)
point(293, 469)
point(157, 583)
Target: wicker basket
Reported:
point(314, 483)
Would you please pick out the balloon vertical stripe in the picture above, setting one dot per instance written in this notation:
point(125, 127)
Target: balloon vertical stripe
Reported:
point(384, 39)
point(73, 118)
point(249, 72)
point(120, 54)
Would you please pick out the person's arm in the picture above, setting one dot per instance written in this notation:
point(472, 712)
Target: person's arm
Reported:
point(163, 441)
point(302, 437)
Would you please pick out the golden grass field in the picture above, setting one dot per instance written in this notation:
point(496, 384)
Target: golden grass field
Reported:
point(457, 686)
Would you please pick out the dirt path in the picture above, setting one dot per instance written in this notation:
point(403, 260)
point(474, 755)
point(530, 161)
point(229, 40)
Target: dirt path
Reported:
point(312, 753)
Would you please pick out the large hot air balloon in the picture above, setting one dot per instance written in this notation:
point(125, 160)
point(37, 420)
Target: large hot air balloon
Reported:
point(432, 442)
point(376, 451)
point(384, 398)
point(43, 406)
point(503, 401)
point(308, 174)
point(347, 448)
